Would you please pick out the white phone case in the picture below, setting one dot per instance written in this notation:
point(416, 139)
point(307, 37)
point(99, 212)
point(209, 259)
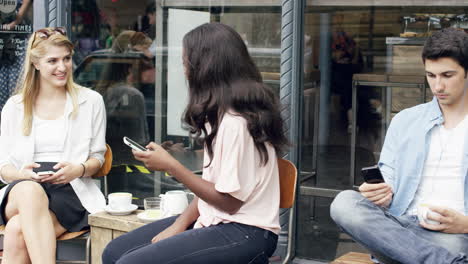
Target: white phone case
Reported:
point(40, 173)
point(134, 145)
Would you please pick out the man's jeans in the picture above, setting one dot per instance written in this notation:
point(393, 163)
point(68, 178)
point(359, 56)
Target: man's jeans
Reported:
point(398, 238)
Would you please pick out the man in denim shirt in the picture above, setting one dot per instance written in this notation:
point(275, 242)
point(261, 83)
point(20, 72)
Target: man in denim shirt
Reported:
point(424, 162)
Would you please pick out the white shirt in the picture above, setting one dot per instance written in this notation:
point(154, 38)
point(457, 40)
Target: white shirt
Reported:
point(85, 138)
point(442, 179)
point(49, 139)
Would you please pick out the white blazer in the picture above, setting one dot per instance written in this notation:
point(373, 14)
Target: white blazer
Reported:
point(85, 138)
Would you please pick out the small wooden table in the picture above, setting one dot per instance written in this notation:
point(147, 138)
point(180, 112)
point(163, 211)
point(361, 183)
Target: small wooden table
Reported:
point(353, 258)
point(105, 227)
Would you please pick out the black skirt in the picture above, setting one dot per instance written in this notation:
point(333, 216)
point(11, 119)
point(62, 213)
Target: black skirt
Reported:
point(63, 202)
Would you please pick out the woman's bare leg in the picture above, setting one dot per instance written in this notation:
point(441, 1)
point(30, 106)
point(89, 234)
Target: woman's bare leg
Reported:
point(29, 202)
point(14, 247)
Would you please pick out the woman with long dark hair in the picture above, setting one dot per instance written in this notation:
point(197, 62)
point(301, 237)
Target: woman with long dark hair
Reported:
point(234, 216)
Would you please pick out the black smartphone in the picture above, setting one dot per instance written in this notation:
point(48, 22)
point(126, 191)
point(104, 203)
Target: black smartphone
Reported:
point(372, 174)
point(46, 168)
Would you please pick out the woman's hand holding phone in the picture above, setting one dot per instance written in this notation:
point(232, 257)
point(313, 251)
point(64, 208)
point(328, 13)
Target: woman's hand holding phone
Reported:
point(66, 172)
point(380, 194)
point(27, 172)
point(133, 144)
point(156, 158)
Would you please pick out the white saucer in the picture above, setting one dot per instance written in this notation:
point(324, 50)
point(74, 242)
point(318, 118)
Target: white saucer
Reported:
point(143, 217)
point(128, 211)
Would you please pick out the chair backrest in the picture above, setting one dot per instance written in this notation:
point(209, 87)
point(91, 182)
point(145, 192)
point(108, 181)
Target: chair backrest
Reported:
point(106, 167)
point(288, 176)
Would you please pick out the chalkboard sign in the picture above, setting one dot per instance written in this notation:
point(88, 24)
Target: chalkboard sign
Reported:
point(14, 34)
point(13, 37)
point(12, 46)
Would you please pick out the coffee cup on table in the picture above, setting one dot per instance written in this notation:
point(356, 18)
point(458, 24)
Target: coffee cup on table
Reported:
point(120, 201)
point(424, 212)
point(173, 203)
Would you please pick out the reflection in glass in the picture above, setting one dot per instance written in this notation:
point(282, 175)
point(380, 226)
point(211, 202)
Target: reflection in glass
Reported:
point(131, 53)
point(375, 51)
point(15, 29)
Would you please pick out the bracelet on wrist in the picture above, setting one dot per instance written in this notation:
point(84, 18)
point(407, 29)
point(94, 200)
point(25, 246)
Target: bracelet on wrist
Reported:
point(84, 169)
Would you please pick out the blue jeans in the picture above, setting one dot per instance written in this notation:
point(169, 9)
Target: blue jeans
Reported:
point(398, 238)
point(223, 243)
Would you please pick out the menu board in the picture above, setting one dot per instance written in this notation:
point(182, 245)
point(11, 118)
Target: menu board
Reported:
point(13, 34)
point(15, 29)
point(12, 45)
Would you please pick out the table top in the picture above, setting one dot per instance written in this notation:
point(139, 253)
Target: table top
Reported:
point(125, 223)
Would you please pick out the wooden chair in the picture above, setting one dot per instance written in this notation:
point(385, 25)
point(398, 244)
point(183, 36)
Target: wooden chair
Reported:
point(84, 234)
point(288, 176)
point(288, 181)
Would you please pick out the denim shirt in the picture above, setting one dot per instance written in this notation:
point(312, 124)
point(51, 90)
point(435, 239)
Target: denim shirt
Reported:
point(405, 151)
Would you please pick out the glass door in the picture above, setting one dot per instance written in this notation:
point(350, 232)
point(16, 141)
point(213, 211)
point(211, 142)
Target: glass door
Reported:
point(362, 65)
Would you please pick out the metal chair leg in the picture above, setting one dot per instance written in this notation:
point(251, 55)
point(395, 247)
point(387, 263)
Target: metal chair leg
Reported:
point(291, 230)
point(88, 250)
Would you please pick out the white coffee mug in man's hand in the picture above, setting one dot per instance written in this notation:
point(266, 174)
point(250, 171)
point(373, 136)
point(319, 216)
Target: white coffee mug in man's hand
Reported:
point(120, 201)
point(173, 203)
point(424, 212)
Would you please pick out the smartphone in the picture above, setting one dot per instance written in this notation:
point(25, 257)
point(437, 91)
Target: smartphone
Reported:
point(46, 168)
point(372, 174)
point(133, 144)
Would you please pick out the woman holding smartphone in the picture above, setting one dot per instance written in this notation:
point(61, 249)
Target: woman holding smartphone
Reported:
point(234, 216)
point(50, 119)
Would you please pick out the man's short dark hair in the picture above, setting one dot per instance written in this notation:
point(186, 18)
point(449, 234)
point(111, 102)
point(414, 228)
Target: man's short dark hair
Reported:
point(447, 43)
point(151, 8)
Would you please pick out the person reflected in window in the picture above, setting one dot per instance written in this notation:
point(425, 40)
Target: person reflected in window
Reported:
point(346, 61)
point(110, 28)
point(234, 217)
point(86, 42)
point(50, 119)
point(125, 108)
point(148, 28)
point(125, 103)
point(129, 40)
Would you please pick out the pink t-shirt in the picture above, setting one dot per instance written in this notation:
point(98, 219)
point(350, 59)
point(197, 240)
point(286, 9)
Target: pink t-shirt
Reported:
point(236, 169)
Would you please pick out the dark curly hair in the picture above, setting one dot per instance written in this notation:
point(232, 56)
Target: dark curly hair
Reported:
point(222, 77)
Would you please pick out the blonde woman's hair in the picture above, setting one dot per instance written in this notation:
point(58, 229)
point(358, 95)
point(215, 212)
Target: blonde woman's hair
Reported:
point(28, 84)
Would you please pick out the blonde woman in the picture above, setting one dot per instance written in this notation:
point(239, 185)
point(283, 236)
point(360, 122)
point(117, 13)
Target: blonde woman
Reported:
point(51, 119)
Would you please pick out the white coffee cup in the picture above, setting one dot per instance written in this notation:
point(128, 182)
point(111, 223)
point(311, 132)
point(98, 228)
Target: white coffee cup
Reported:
point(173, 203)
point(424, 212)
point(120, 201)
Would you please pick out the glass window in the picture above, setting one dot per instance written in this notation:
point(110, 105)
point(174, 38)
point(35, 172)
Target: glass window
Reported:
point(131, 53)
point(362, 65)
point(15, 28)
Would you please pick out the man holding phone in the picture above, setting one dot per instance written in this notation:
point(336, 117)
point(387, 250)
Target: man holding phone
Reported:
point(419, 214)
